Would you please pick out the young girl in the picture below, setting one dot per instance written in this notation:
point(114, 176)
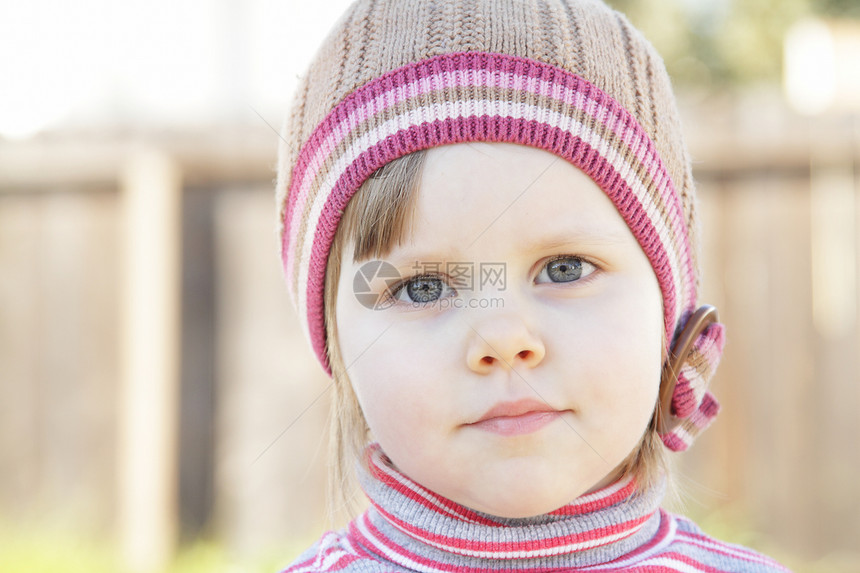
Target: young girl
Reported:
point(488, 228)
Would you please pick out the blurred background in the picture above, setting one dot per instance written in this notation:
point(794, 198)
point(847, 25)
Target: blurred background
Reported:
point(159, 408)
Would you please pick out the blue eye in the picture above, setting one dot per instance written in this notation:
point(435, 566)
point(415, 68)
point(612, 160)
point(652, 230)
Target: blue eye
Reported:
point(565, 269)
point(421, 290)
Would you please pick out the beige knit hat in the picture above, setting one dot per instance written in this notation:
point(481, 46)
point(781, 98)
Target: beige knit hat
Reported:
point(572, 77)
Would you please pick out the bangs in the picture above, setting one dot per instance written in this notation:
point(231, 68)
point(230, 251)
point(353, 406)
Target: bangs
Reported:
point(379, 216)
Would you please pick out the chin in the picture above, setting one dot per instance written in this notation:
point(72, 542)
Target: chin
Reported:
point(526, 498)
point(512, 508)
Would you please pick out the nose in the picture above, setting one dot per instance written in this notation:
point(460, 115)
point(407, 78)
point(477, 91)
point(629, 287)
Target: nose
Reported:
point(503, 342)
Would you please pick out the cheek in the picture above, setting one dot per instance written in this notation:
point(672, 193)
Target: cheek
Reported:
point(399, 385)
point(610, 352)
point(638, 349)
point(607, 336)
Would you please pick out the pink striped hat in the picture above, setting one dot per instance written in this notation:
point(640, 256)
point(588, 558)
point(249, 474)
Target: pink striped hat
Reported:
point(571, 77)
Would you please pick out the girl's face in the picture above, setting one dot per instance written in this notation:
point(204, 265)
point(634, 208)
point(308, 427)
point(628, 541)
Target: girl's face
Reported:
point(516, 362)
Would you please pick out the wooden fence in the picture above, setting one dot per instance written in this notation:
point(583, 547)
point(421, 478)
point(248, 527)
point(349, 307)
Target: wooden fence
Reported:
point(108, 427)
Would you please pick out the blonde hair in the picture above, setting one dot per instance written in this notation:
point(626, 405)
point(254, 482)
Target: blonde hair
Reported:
point(377, 218)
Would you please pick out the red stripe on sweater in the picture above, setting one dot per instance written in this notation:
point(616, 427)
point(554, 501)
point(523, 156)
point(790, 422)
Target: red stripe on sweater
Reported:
point(548, 546)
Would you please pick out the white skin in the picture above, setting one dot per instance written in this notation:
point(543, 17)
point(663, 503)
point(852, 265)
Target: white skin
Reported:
point(577, 330)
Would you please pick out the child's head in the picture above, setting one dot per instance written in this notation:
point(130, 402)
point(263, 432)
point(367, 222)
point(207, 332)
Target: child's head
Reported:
point(521, 164)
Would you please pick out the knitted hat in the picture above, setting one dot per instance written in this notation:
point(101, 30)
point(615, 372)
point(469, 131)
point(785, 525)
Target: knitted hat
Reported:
point(571, 77)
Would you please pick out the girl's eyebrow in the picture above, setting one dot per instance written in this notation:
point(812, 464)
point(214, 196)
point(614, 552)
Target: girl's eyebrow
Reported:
point(574, 240)
point(579, 238)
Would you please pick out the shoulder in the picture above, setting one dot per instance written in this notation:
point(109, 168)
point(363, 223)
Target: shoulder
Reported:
point(691, 546)
point(334, 552)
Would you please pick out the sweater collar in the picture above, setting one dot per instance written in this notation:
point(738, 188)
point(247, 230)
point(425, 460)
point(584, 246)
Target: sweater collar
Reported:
point(415, 528)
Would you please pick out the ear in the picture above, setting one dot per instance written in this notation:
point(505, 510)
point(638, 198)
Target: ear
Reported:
point(685, 407)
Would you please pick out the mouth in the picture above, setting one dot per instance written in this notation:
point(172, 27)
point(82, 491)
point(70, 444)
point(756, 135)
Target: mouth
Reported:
point(516, 418)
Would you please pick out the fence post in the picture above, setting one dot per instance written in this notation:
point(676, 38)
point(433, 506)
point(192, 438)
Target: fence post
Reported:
point(147, 519)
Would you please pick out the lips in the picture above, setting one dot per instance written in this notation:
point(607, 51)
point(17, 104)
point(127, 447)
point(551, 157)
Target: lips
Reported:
point(516, 418)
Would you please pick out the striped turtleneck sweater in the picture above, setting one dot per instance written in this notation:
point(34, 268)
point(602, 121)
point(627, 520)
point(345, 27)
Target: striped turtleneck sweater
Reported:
point(409, 528)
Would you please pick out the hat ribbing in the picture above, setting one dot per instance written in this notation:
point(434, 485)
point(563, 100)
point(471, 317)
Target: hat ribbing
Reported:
point(570, 77)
